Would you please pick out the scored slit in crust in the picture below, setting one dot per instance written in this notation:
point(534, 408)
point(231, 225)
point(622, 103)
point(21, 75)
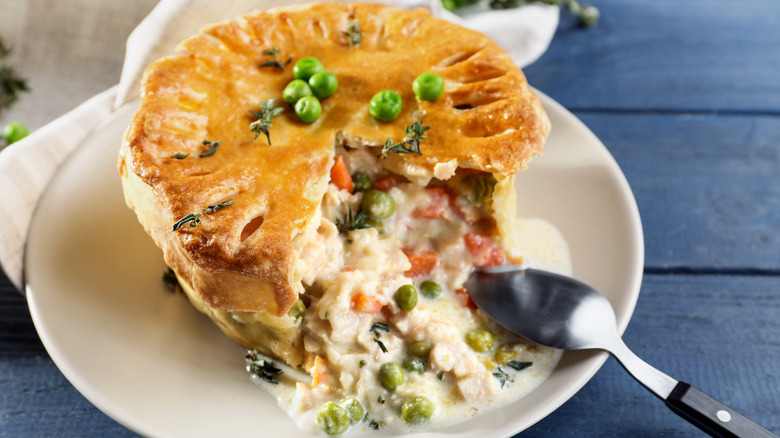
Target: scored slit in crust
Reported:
point(246, 258)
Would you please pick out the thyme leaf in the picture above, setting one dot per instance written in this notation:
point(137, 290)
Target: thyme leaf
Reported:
point(273, 51)
point(411, 144)
point(518, 366)
point(379, 327)
point(502, 376)
point(353, 33)
point(262, 367)
point(213, 145)
point(215, 207)
point(351, 222)
point(375, 425)
point(381, 345)
point(265, 118)
point(180, 156)
point(193, 219)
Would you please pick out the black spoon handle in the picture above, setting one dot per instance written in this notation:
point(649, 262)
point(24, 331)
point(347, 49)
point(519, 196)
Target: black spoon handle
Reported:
point(712, 416)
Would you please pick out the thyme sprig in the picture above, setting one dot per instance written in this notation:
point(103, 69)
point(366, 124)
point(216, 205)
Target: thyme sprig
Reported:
point(11, 84)
point(262, 367)
point(587, 15)
point(193, 219)
point(353, 33)
point(502, 376)
point(350, 222)
point(411, 144)
point(215, 207)
point(377, 328)
point(265, 118)
point(273, 51)
point(212, 145)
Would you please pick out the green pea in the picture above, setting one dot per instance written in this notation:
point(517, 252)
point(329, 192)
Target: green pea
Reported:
point(332, 418)
point(417, 409)
point(391, 375)
point(14, 132)
point(297, 310)
point(354, 409)
point(414, 364)
point(430, 289)
point(362, 181)
point(307, 67)
point(419, 348)
point(323, 84)
point(295, 91)
point(428, 86)
point(378, 204)
point(308, 109)
point(480, 340)
point(385, 106)
point(406, 297)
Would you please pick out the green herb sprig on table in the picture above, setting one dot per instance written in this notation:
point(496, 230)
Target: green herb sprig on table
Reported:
point(587, 15)
point(273, 51)
point(265, 118)
point(411, 145)
point(11, 84)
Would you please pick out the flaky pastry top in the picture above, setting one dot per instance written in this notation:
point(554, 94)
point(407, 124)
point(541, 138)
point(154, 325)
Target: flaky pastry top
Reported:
point(487, 119)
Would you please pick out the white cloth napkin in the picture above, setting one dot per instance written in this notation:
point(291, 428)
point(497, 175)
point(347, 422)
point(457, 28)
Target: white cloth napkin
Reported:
point(26, 166)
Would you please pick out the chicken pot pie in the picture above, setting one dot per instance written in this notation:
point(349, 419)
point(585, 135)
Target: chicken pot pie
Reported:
point(341, 246)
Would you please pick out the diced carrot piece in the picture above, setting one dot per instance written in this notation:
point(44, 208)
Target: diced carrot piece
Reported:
point(346, 269)
point(483, 251)
point(385, 184)
point(422, 262)
point(339, 175)
point(365, 303)
point(463, 297)
point(318, 371)
point(436, 205)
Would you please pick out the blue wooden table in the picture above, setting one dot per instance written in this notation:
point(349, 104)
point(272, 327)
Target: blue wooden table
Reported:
point(686, 96)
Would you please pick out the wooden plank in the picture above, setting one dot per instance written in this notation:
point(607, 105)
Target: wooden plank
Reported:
point(704, 55)
point(719, 333)
point(706, 186)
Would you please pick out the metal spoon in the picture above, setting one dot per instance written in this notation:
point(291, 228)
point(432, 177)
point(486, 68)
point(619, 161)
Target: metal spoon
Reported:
point(561, 312)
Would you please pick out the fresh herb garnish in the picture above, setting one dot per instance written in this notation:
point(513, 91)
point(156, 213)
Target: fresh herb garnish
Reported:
point(213, 145)
point(262, 367)
point(588, 15)
point(362, 363)
point(381, 345)
point(411, 145)
point(265, 118)
point(518, 366)
point(353, 33)
point(193, 219)
point(180, 156)
point(273, 51)
point(351, 222)
point(381, 400)
point(170, 281)
point(502, 376)
point(11, 84)
point(440, 375)
point(379, 327)
point(375, 425)
point(215, 207)
point(326, 316)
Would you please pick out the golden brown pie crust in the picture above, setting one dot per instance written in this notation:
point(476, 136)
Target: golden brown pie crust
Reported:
point(487, 119)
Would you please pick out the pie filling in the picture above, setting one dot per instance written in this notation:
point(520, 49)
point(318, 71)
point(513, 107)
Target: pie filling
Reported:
point(372, 353)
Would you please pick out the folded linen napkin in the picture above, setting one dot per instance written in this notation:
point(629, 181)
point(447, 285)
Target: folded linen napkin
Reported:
point(26, 166)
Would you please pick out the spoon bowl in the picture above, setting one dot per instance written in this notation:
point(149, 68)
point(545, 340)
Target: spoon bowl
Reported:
point(561, 312)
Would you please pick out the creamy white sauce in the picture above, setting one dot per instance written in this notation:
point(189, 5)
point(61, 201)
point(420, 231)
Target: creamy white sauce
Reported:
point(459, 381)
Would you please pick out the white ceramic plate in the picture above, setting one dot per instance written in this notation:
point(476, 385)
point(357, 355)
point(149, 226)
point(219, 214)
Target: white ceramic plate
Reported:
point(149, 360)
